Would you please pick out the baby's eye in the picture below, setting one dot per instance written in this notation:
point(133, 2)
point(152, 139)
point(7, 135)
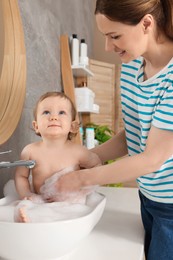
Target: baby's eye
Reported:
point(62, 112)
point(46, 112)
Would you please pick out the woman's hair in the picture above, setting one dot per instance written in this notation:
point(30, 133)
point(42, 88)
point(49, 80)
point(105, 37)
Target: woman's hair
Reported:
point(61, 95)
point(132, 11)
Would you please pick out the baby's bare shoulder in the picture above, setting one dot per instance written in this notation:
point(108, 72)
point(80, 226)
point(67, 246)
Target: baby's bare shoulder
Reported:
point(30, 149)
point(77, 147)
point(33, 145)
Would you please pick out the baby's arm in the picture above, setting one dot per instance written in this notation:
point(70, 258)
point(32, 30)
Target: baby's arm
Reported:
point(21, 177)
point(88, 159)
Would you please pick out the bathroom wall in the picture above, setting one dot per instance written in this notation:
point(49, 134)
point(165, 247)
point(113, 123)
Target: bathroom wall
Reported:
point(43, 23)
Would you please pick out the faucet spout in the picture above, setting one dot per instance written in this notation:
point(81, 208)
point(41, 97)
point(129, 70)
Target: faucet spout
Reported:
point(29, 164)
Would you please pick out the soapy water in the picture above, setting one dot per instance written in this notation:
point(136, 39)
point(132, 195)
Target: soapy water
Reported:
point(37, 210)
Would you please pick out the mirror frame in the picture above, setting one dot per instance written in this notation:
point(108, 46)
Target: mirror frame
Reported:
point(13, 73)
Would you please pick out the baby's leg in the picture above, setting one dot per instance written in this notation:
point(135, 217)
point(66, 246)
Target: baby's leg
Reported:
point(20, 211)
point(24, 209)
point(21, 215)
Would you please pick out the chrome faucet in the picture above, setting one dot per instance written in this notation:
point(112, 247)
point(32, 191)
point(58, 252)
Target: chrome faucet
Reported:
point(29, 164)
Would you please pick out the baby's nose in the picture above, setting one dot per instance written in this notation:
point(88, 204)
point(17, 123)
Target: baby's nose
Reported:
point(53, 117)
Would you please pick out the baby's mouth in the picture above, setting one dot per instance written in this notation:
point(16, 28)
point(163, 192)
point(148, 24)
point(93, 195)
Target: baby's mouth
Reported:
point(53, 125)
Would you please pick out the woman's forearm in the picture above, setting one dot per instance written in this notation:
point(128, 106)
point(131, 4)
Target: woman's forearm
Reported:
point(114, 148)
point(122, 170)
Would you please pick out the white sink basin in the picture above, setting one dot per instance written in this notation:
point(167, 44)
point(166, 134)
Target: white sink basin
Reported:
point(48, 241)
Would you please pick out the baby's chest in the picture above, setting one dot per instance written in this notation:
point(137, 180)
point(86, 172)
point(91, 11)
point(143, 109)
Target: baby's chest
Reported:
point(52, 164)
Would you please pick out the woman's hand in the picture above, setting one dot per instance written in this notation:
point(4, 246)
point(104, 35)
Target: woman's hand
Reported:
point(70, 182)
point(70, 188)
point(65, 188)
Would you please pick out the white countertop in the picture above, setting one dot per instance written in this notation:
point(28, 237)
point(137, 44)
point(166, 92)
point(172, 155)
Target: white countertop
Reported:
point(119, 234)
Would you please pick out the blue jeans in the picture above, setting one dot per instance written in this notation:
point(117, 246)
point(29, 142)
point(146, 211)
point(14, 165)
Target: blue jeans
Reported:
point(158, 224)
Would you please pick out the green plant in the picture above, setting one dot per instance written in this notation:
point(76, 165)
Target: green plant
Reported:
point(102, 132)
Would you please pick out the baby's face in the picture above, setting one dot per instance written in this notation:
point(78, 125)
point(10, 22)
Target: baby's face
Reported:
point(54, 117)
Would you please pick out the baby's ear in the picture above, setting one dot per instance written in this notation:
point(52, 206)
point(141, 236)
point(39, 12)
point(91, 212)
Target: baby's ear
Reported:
point(35, 126)
point(74, 127)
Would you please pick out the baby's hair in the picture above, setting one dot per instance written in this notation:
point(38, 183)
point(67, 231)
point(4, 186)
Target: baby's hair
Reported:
point(61, 95)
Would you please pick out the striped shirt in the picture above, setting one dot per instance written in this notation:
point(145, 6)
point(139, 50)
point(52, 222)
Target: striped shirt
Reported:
point(147, 103)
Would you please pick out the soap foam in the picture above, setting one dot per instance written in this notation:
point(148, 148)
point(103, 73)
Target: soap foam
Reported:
point(72, 206)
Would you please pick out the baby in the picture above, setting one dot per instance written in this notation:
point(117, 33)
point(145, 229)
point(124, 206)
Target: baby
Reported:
point(55, 154)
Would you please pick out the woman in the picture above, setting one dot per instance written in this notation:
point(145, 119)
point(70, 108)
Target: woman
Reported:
point(141, 33)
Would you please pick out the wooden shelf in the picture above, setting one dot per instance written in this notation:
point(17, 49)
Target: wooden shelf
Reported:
point(89, 111)
point(81, 71)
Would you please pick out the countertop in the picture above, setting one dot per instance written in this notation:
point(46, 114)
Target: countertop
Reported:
point(119, 235)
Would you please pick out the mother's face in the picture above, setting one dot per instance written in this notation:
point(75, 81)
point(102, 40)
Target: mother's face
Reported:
point(128, 41)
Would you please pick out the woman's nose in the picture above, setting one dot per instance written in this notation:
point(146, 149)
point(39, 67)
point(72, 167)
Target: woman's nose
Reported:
point(108, 45)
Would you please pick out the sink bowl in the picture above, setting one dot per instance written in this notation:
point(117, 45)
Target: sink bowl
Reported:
point(50, 240)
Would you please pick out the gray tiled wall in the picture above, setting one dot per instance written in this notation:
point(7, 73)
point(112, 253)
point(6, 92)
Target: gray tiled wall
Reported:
point(43, 22)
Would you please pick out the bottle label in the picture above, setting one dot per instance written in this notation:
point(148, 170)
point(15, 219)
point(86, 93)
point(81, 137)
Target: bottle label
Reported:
point(90, 136)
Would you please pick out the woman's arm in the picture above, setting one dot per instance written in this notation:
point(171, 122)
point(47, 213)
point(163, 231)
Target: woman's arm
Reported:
point(114, 148)
point(158, 149)
point(89, 160)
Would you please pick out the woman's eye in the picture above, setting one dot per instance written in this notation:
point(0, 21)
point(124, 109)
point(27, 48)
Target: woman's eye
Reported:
point(115, 37)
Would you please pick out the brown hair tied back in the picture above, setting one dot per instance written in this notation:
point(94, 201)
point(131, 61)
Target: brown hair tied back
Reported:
point(132, 11)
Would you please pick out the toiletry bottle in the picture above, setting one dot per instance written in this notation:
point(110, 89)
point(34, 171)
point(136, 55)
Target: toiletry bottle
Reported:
point(81, 134)
point(90, 136)
point(74, 50)
point(83, 59)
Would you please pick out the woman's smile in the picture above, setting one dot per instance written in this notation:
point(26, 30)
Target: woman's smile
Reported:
point(120, 53)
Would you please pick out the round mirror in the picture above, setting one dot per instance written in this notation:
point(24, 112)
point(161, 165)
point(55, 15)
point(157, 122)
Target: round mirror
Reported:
point(12, 68)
